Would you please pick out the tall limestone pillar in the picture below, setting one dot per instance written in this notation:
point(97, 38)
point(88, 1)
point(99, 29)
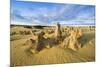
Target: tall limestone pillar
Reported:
point(58, 32)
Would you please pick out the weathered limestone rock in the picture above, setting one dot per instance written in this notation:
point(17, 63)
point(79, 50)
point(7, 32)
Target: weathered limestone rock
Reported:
point(40, 41)
point(58, 32)
point(72, 41)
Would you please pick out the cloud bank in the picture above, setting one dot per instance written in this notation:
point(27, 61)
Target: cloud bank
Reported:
point(50, 13)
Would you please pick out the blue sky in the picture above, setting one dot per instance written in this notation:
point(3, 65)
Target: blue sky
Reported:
point(39, 13)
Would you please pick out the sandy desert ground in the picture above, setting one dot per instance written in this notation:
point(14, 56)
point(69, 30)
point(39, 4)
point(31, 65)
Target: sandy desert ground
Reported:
point(24, 50)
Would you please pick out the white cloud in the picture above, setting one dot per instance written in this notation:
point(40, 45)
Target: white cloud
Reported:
point(20, 23)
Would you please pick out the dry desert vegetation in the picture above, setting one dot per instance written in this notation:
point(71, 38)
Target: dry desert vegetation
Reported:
point(32, 45)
